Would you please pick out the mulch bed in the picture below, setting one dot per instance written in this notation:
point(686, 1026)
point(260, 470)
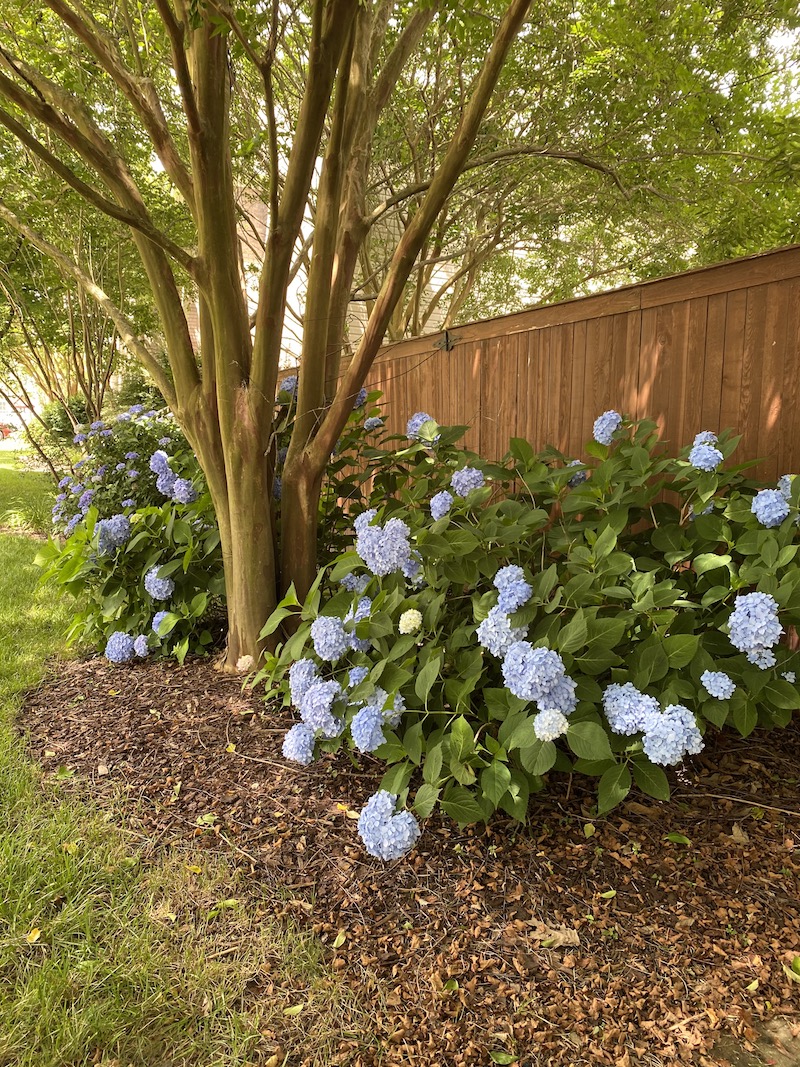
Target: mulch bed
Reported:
point(665, 945)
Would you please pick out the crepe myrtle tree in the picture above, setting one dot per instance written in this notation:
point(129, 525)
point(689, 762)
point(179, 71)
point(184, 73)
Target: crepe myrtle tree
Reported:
point(95, 94)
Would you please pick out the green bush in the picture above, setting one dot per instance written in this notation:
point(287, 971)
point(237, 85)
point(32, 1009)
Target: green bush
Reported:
point(140, 518)
point(625, 582)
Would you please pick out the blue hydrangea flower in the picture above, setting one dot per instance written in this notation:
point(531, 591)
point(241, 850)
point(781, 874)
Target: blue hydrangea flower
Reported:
point(61, 496)
point(164, 441)
point(762, 657)
point(362, 521)
point(627, 710)
point(86, 498)
point(415, 424)
point(355, 583)
point(158, 618)
point(550, 724)
point(411, 568)
point(513, 595)
point(298, 745)
point(133, 475)
point(124, 416)
point(315, 708)
point(790, 676)
point(531, 672)
point(362, 611)
point(159, 462)
point(158, 588)
point(288, 385)
point(466, 480)
point(331, 641)
point(373, 423)
point(605, 425)
point(112, 533)
point(76, 489)
point(579, 477)
point(73, 522)
point(131, 455)
point(302, 675)
point(508, 575)
point(560, 697)
point(705, 457)
point(119, 648)
point(387, 835)
point(383, 549)
point(705, 437)
point(753, 624)
point(718, 684)
point(120, 467)
point(785, 485)
point(497, 634)
point(140, 646)
point(441, 504)
point(136, 409)
point(65, 481)
point(129, 502)
point(770, 507)
point(357, 676)
point(367, 729)
point(183, 492)
point(361, 398)
point(79, 438)
point(165, 482)
point(277, 487)
point(670, 735)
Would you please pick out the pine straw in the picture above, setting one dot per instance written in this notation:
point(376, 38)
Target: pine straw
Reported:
point(676, 944)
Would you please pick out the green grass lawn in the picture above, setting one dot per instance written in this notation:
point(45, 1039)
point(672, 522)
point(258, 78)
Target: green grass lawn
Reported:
point(107, 956)
point(26, 497)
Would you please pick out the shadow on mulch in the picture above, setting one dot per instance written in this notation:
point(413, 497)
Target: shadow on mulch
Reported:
point(667, 949)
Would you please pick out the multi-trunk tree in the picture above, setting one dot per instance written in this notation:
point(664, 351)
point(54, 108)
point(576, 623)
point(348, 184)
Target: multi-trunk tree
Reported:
point(119, 103)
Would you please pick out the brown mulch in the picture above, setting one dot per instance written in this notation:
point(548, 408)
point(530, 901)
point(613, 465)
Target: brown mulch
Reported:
point(667, 945)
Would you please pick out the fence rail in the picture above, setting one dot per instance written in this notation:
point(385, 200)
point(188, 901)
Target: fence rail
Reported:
point(708, 349)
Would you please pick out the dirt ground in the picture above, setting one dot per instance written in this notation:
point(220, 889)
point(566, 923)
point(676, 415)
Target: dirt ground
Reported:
point(572, 940)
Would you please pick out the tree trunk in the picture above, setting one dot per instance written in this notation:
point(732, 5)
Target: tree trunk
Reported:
point(237, 475)
point(300, 495)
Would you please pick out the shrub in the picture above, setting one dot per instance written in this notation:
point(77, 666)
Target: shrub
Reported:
point(497, 624)
point(141, 548)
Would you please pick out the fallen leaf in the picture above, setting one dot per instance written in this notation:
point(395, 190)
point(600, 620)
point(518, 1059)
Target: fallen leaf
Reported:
point(554, 937)
point(340, 939)
point(294, 1010)
point(102, 769)
point(740, 836)
point(230, 747)
point(33, 935)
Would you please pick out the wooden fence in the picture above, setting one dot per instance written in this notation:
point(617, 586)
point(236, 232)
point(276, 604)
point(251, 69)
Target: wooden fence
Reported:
point(705, 350)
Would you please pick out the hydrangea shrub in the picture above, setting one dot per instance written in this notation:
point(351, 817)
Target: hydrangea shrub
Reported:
point(493, 626)
point(138, 545)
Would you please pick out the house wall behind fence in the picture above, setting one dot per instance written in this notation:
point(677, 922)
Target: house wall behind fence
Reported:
point(709, 349)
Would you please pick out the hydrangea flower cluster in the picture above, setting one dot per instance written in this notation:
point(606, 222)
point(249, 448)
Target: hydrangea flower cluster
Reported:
point(158, 588)
point(497, 634)
point(605, 426)
point(367, 728)
point(441, 504)
point(119, 647)
point(384, 549)
point(579, 477)
point(387, 834)
point(331, 640)
point(671, 735)
point(302, 675)
point(550, 724)
point(415, 424)
point(704, 455)
point(373, 423)
point(112, 533)
point(466, 480)
point(770, 507)
point(785, 485)
point(410, 621)
point(158, 618)
point(538, 674)
point(513, 590)
point(754, 628)
point(289, 385)
point(355, 583)
point(316, 708)
point(298, 745)
point(627, 709)
point(718, 684)
point(357, 615)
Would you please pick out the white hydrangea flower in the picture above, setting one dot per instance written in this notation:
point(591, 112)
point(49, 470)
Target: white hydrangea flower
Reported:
point(410, 621)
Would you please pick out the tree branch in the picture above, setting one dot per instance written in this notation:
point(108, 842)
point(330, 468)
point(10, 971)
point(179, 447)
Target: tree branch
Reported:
point(126, 329)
